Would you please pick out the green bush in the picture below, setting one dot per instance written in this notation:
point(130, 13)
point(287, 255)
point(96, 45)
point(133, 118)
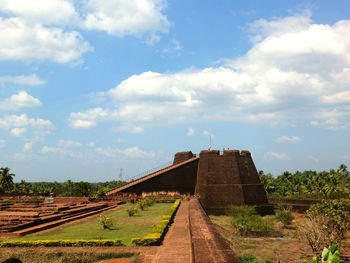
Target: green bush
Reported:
point(249, 259)
point(285, 216)
point(60, 243)
point(144, 203)
point(106, 222)
point(132, 211)
point(246, 220)
point(253, 259)
point(153, 239)
point(141, 204)
point(149, 202)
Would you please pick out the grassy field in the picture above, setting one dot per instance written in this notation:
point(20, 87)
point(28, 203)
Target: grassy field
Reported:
point(125, 227)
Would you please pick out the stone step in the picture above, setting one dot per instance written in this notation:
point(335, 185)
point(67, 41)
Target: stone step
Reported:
point(45, 226)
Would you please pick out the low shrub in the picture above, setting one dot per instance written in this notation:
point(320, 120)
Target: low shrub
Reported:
point(61, 243)
point(246, 220)
point(249, 259)
point(285, 216)
point(328, 221)
point(106, 222)
point(149, 202)
point(253, 259)
point(66, 257)
point(144, 203)
point(153, 239)
point(132, 211)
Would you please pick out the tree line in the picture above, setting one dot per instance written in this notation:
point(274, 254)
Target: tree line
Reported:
point(306, 184)
point(309, 184)
point(68, 188)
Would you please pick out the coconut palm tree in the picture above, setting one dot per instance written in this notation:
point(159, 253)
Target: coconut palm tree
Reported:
point(6, 179)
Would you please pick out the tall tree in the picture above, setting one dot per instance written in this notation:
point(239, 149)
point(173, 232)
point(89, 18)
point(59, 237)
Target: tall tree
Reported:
point(6, 179)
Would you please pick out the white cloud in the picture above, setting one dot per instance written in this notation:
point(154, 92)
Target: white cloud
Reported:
point(132, 152)
point(28, 146)
point(288, 139)
point(68, 144)
point(2, 143)
point(313, 159)
point(91, 144)
point(152, 40)
point(62, 147)
point(330, 120)
point(277, 156)
point(124, 17)
point(88, 119)
point(130, 129)
point(174, 48)
point(20, 100)
point(59, 12)
point(20, 124)
point(55, 150)
point(29, 80)
point(49, 30)
point(190, 132)
point(136, 152)
point(18, 132)
point(36, 30)
point(292, 75)
point(26, 42)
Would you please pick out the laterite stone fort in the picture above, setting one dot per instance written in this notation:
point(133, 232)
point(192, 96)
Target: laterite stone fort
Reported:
point(217, 179)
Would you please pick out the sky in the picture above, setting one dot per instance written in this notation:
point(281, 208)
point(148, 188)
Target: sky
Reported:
point(92, 87)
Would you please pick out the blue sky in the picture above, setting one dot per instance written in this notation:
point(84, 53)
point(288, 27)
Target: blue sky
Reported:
point(88, 87)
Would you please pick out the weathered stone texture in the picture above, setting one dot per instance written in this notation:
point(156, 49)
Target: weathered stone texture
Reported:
point(230, 178)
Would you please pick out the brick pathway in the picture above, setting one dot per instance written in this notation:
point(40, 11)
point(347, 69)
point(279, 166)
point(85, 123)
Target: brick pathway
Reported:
point(177, 243)
point(208, 244)
point(192, 238)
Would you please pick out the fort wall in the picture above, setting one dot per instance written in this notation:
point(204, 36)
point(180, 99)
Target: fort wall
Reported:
point(228, 178)
point(182, 179)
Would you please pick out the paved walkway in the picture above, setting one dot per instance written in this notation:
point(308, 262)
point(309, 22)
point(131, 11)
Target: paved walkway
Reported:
point(177, 243)
point(192, 238)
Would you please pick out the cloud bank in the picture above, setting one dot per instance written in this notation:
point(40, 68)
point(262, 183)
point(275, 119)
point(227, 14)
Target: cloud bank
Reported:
point(296, 73)
point(36, 30)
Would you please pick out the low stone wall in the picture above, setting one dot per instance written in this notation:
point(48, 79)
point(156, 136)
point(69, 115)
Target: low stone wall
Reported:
point(65, 200)
point(299, 205)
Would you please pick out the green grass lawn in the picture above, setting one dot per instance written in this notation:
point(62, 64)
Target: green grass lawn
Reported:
point(125, 228)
